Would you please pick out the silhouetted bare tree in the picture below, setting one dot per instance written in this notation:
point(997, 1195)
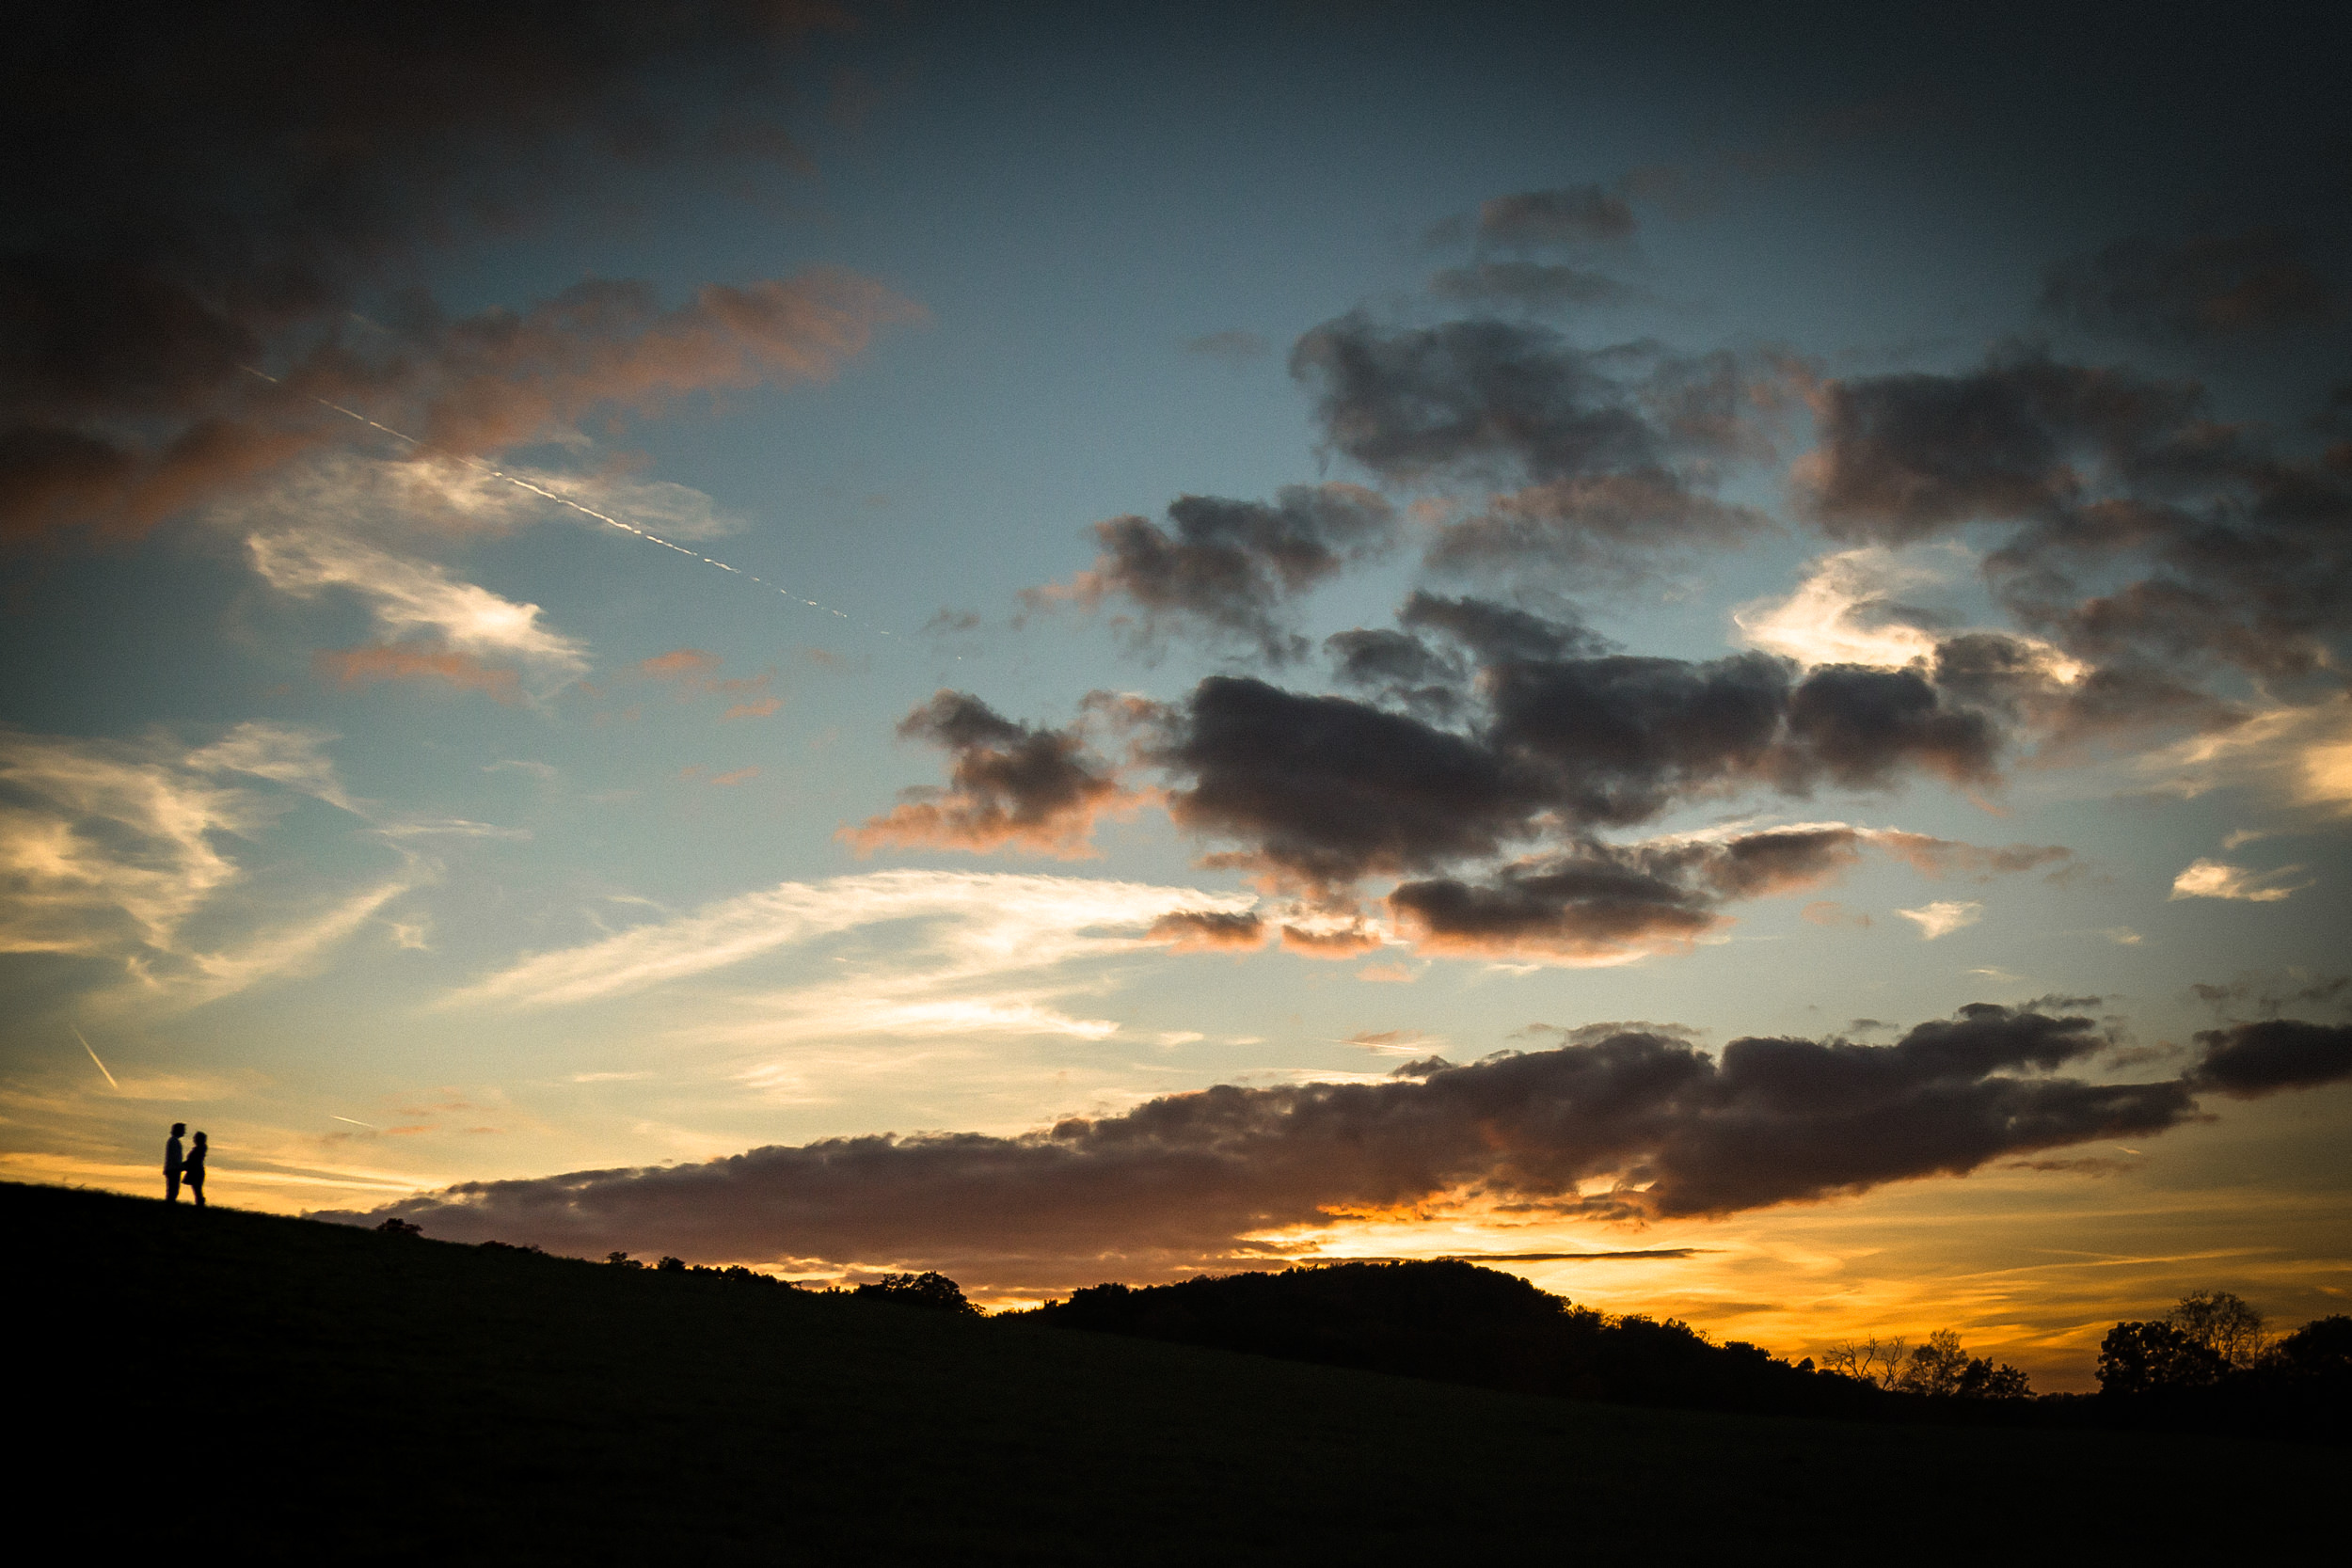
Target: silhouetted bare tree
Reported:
point(2225, 1324)
point(1874, 1361)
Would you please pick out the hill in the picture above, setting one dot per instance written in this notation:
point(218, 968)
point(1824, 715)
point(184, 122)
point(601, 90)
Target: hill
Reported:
point(233, 1382)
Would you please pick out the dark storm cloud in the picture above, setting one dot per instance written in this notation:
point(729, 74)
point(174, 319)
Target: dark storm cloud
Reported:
point(1610, 524)
point(1556, 735)
point(1009, 785)
point(1862, 728)
point(1628, 1124)
point(195, 190)
point(2151, 543)
point(1609, 455)
point(1536, 285)
point(1902, 457)
point(1209, 928)
point(2186, 290)
point(1602, 903)
point(1592, 906)
point(1231, 564)
point(1476, 396)
point(2248, 1059)
point(1616, 738)
point(1495, 633)
point(1326, 789)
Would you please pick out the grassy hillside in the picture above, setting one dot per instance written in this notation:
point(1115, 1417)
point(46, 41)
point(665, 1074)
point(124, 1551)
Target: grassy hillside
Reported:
point(272, 1386)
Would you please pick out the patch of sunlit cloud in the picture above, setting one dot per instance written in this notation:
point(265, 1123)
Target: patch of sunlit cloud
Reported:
point(2207, 879)
point(1943, 917)
point(2300, 755)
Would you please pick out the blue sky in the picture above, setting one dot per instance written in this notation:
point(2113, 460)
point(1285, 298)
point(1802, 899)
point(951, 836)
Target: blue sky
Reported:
point(406, 828)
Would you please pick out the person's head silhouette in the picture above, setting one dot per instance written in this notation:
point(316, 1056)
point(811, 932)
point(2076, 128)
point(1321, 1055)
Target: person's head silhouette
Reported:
point(180, 1127)
point(200, 1140)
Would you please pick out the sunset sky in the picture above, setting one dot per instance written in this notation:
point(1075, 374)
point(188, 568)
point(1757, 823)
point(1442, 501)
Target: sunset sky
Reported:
point(1706, 655)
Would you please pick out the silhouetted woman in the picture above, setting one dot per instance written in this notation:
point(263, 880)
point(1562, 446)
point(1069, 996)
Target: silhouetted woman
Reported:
point(192, 1170)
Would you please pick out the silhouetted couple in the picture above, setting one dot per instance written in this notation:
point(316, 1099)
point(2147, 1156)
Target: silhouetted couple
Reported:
point(187, 1167)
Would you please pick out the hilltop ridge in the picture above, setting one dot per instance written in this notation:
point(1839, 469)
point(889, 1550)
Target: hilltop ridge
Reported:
point(276, 1385)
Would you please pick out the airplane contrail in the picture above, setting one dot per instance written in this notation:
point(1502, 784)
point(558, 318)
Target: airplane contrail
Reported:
point(355, 1122)
point(93, 1056)
point(584, 511)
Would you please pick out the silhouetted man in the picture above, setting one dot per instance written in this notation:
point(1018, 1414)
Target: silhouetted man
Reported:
point(173, 1163)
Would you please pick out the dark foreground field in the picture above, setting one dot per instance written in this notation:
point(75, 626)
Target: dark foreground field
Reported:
point(236, 1385)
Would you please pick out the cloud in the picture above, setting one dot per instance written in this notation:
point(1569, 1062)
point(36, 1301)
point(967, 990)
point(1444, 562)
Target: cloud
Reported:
point(1943, 917)
point(994, 923)
point(1208, 930)
point(501, 379)
point(1946, 857)
point(109, 847)
point(1037, 789)
point(2207, 879)
point(1603, 458)
point(1598, 907)
point(294, 756)
point(1230, 566)
point(1845, 612)
point(1570, 215)
point(115, 851)
point(1558, 737)
point(1902, 456)
point(2246, 1060)
point(203, 209)
point(2159, 549)
point(1325, 790)
point(1616, 524)
point(1604, 904)
point(1471, 396)
point(416, 599)
point(1631, 1124)
point(697, 674)
point(678, 664)
point(352, 667)
point(2302, 754)
point(2190, 290)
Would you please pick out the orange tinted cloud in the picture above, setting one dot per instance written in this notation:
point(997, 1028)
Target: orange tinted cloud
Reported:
point(1011, 785)
point(695, 672)
point(402, 662)
point(678, 664)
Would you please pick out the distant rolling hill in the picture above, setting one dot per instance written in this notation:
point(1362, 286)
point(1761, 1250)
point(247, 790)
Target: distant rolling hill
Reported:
point(216, 1383)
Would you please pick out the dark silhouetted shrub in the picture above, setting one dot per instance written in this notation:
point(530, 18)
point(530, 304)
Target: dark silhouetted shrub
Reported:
point(933, 1291)
point(398, 1227)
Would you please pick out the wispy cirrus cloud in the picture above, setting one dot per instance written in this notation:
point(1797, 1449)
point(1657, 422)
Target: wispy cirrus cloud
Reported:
point(113, 850)
point(416, 599)
point(981, 924)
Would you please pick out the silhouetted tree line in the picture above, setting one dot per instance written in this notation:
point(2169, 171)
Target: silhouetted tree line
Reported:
point(2211, 1364)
